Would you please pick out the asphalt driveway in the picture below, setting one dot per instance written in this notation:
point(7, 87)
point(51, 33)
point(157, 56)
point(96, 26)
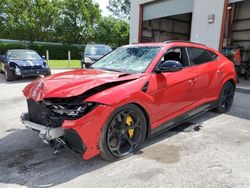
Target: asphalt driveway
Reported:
point(210, 151)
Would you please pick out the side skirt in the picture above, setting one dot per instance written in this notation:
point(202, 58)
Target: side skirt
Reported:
point(183, 118)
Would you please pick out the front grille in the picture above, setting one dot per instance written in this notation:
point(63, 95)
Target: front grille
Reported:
point(39, 113)
point(36, 67)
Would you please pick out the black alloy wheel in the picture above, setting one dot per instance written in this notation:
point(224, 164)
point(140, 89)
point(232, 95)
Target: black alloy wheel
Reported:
point(124, 133)
point(226, 98)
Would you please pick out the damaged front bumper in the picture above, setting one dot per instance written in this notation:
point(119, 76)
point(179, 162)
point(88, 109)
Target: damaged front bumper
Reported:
point(80, 135)
point(45, 133)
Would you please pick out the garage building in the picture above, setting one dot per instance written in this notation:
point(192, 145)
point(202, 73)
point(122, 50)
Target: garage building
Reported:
point(211, 22)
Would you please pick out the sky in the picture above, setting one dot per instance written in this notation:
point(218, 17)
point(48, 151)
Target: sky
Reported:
point(103, 4)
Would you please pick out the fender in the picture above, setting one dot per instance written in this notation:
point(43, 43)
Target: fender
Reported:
point(115, 98)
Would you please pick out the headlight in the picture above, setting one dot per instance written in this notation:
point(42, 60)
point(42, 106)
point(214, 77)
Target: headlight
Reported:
point(12, 65)
point(88, 60)
point(45, 64)
point(72, 111)
point(17, 71)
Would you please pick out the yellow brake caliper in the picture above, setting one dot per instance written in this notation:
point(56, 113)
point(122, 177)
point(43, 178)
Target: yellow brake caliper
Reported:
point(129, 122)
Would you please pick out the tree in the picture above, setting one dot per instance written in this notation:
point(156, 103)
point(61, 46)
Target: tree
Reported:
point(77, 21)
point(28, 19)
point(112, 31)
point(120, 8)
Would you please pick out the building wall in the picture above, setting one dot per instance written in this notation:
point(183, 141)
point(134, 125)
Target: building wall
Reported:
point(202, 31)
point(134, 19)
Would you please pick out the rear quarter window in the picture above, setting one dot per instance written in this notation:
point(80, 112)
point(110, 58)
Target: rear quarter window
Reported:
point(213, 55)
point(199, 56)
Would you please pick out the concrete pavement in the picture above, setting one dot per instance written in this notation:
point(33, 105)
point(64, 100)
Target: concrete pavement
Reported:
point(209, 151)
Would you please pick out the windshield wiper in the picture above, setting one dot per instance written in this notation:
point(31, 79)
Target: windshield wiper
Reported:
point(115, 70)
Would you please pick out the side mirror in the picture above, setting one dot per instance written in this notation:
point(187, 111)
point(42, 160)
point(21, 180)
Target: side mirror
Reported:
point(169, 66)
point(43, 56)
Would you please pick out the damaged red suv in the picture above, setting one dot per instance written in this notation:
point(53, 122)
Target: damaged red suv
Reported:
point(133, 93)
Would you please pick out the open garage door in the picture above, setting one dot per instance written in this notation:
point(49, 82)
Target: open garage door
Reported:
point(167, 20)
point(241, 28)
point(236, 44)
point(237, 27)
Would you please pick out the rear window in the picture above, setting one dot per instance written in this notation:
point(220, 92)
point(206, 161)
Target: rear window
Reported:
point(199, 56)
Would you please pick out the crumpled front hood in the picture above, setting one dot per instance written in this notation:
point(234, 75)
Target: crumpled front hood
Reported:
point(72, 83)
point(24, 63)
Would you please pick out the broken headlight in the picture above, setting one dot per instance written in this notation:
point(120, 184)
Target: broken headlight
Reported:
point(72, 111)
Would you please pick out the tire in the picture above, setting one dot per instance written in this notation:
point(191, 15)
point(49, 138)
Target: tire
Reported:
point(9, 75)
point(123, 133)
point(226, 98)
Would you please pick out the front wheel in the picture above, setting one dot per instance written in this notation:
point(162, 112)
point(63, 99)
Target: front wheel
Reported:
point(9, 75)
point(226, 98)
point(123, 133)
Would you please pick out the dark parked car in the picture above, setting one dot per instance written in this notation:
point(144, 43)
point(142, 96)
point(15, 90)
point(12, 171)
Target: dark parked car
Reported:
point(94, 52)
point(22, 63)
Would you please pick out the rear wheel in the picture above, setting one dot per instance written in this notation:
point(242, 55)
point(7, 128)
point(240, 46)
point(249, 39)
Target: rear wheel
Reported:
point(226, 98)
point(123, 133)
point(9, 75)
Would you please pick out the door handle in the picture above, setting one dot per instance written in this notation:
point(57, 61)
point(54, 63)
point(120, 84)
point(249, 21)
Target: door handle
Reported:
point(192, 81)
point(220, 71)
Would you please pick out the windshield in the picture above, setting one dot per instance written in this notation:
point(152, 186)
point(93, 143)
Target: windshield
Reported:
point(128, 59)
point(97, 50)
point(23, 55)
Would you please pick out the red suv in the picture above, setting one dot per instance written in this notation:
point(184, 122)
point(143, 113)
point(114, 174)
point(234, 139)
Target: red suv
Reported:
point(131, 94)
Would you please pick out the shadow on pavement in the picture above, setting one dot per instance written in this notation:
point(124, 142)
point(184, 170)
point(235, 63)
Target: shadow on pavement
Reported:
point(24, 160)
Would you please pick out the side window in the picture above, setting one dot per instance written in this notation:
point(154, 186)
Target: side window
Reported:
point(176, 54)
point(213, 55)
point(199, 56)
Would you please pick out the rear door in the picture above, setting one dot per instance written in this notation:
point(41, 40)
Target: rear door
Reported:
point(205, 65)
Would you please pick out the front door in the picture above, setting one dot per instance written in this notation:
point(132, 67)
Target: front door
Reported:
point(173, 91)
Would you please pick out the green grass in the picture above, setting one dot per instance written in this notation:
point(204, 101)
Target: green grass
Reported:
point(64, 64)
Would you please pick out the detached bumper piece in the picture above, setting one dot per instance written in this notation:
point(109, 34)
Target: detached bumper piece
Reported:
point(46, 133)
point(67, 137)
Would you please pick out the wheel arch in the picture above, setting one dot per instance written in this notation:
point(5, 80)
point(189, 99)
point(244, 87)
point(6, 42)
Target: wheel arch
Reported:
point(232, 81)
point(146, 114)
point(229, 78)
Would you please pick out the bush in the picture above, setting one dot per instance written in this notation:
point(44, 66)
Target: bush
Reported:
point(55, 51)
